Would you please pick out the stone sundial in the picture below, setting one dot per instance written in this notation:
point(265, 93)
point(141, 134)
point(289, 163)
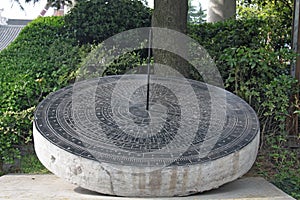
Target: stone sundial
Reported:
point(122, 135)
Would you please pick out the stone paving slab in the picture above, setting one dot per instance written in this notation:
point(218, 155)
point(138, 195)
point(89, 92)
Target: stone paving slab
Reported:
point(44, 187)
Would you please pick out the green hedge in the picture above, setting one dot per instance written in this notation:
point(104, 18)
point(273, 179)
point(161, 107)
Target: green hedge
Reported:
point(251, 56)
point(254, 57)
point(96, 20)
point(34, 65)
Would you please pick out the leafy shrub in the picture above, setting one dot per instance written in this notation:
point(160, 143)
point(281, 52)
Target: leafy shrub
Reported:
point(250, 31)
point(281, 11)
point(14, 126)
point(251, 56)
point(261, 77)
point(34, 65)
point(288, 180)
point(30, 164)
point(92, 65)
point(216, 37)
point(96, 20)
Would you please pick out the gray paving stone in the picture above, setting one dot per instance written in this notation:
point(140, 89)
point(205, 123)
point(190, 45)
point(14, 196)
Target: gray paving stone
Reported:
point(36, 187)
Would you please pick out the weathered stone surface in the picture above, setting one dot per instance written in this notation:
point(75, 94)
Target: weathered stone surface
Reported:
point(80, 141)
point(134, 181)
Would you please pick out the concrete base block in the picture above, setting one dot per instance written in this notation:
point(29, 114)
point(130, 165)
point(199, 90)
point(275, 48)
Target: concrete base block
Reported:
point(36, 187)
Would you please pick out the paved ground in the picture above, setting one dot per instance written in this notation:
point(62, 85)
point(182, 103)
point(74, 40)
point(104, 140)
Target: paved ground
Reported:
point(44, 187)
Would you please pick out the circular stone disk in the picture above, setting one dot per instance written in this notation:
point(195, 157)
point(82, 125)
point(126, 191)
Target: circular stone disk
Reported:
point(98, 134)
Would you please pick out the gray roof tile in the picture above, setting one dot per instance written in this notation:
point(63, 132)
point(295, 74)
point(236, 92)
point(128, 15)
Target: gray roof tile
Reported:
point(8, 33)
point(21, 22)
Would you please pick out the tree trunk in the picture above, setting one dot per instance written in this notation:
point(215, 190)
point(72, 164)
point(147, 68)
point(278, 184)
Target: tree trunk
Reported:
point(219, 10)
point(1, 167)
point(170, 14)
point(60, 11)
point(45, 9)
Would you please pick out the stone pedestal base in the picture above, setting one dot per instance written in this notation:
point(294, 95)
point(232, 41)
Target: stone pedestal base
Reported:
point(134, 181)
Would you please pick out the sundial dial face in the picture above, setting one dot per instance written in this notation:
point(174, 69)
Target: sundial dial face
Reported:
point(125, 133)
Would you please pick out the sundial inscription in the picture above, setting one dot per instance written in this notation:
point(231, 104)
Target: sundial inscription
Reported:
point(125, 132)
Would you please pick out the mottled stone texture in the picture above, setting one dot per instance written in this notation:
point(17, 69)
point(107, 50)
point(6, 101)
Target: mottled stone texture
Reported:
point(136, 181)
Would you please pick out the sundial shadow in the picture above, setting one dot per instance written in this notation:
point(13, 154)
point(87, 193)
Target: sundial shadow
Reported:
point(84, 191)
